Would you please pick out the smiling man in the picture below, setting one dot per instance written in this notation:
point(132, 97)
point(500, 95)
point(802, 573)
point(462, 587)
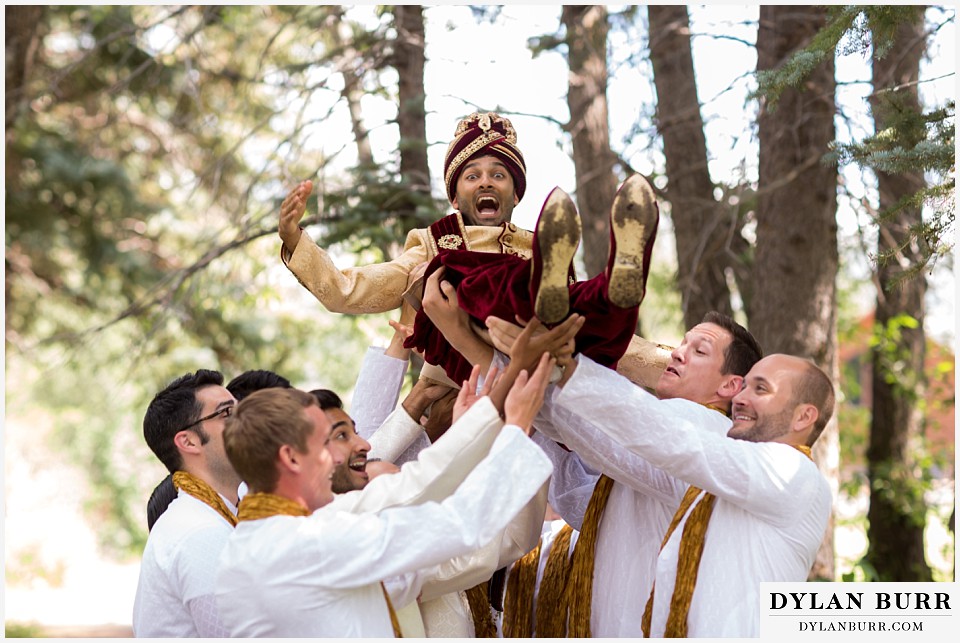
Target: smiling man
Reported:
point(348, 448)
point(317, 565)
point(757, 507)
point(485, 178)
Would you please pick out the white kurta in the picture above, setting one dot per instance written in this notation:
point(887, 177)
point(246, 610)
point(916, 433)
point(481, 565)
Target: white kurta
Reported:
point(393, 435)
point(443, 606)
point(572, 482)
point(175, 593)
point(377, 389)
point(642, 502)
point(769, 518)
point(319, 575)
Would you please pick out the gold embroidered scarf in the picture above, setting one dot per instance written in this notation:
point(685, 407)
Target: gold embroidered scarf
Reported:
point(551, 603)
point(580, 587)
point(518, 599)
point(479, 601)
point(692, 541)
point(551, 621)
point(204, 493)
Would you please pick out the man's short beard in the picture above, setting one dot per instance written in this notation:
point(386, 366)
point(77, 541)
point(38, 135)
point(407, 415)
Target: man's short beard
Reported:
point(772, 427)
point(342, 481)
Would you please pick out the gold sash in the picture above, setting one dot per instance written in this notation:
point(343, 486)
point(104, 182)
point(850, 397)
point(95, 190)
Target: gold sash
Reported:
point(204, 493)
point(551, 607)
point(688, 563)
point(518, 599)
point(483, 625)
point(580, 587)
point(551, 621)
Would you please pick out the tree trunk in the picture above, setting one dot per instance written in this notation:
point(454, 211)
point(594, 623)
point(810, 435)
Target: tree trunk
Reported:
point(409, 59)
point(700, 227)
point(793, 309)
point(351, 69)
point(896, 516)
point(21, 47)
point(22, 22)
point(589, 128)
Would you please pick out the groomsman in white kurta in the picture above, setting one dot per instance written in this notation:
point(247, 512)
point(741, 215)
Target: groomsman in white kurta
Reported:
point(634, 502)
point(318, 572)
point(757, 504)
point(443, 609)
point(183, 426)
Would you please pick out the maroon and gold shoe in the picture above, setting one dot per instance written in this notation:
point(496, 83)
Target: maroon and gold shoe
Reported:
point(633, 228)
point(555, 241)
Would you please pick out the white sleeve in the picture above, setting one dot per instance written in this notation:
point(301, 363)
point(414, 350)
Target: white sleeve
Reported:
point(377, 390)
point(206, 617)
point(413, 451)
point(572, 483)
point(394, 436)
point(437, 472)
point(405, 588)
point(602, 453)
point(395, 541)
point(757, 477)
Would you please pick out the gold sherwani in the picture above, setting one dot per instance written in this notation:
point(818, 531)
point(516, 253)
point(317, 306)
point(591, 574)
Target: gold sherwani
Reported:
point(380, 287)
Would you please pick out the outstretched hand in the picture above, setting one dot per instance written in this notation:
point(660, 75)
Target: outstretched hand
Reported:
point(503, 334)
point(424, 393)
point(291, 211)
point(400, 334)
point(527, 346)
point(469, 394)
point(441, 305)
point(526, 396)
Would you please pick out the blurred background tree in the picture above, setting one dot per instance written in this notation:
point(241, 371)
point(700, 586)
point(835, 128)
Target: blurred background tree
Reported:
point(148, 148)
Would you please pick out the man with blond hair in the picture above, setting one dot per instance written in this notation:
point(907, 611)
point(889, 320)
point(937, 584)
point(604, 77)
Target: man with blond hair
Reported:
point(278, 443)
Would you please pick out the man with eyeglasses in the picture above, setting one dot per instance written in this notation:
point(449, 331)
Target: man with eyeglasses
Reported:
point(183, 426)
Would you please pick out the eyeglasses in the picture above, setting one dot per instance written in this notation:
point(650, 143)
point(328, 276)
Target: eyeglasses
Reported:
point(225, 412)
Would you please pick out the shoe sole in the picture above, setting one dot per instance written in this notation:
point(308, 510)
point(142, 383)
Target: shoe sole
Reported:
point(558, 235)
point(633, 219)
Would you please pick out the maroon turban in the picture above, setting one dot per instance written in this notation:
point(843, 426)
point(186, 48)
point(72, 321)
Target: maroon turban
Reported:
point(486, 134)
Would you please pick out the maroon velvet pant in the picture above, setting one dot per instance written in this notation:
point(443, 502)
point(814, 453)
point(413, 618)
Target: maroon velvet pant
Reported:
point(499, 285)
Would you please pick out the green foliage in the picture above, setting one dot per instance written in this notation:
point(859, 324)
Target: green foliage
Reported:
point(913, 143)
point(21, 630)
point(894, 358)
point(850, 29)
point(151, 161)
point(909, 142)
point(863, 572)
point(903, 486)
point(376, 209)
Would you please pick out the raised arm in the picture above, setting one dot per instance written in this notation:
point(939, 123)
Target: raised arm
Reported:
point(758, 477)
point(377, 389)
point(438, 469)
point(364, 289)
point(400, 540)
